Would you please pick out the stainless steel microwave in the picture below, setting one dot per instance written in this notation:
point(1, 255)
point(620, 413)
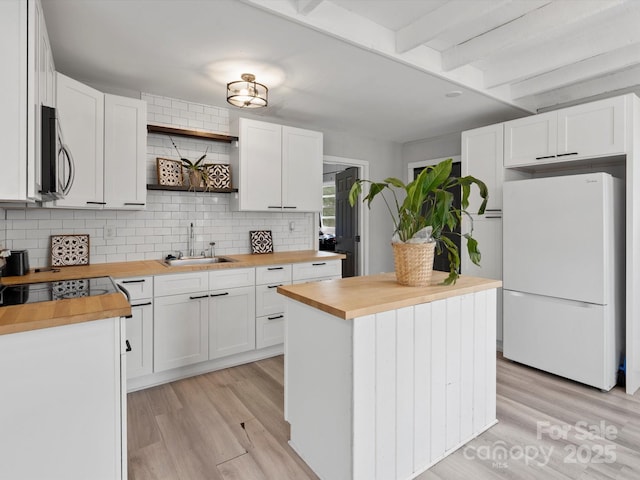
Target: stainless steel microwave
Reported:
point(58, 169)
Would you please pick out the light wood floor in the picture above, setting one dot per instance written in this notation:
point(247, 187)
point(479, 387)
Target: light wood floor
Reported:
point(229, 425)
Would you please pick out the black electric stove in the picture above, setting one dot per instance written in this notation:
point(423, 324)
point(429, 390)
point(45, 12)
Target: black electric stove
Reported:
point(58, 290)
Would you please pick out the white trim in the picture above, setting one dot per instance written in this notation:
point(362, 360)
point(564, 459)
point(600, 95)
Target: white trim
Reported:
point(363, 213)
point(425, 163)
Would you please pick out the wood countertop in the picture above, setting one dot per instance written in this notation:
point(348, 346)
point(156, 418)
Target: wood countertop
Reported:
point(32, 316)
point(353, 297)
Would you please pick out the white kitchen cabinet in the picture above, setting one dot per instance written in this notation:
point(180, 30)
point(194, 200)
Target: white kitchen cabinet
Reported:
point(106, 135)
point(277, 168)
point(139, 328)
point(270, 330)
point(180, 330)
point(270, 316)
point(595, 129)
point(316, 270)
point(125, 149)
point(63, 412)
point(482, 152)
point(177, 283)
point(81, 114)
point(487, 230)
point(25, 85)
point(232, 321)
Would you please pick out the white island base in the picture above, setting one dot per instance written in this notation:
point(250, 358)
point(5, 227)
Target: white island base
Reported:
point(387, 395)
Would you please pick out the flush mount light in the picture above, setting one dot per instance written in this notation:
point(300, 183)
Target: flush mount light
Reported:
point(247, 93)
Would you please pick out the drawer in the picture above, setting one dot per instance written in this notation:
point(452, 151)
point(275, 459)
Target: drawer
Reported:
point(268, 300)
point(138, 287)
point(179, 283)
point(273, 274)
point(270, 330)
point(309, 270)
point(232, 278)
point(319, 279)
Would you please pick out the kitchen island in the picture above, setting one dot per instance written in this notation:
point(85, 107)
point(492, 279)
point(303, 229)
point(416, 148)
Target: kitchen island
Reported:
point(381, 380)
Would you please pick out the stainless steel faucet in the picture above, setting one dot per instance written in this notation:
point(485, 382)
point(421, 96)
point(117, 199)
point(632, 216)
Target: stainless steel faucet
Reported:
point(191, 244)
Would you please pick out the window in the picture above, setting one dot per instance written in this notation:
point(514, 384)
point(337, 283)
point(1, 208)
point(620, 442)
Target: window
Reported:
point(329, 205)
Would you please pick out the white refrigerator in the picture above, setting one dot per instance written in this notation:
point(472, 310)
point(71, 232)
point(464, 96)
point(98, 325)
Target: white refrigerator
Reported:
point(563, 240)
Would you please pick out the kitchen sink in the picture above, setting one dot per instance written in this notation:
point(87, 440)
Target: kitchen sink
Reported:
point(181, 262)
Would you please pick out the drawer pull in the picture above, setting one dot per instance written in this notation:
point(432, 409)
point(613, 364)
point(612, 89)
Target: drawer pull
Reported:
point(567, 154)
point(319, 264)
point(199, 297)
point(136, 204)
point(276, 317)
point(128, 349)
point(289, 207)
point(141, 305)
point(274, 286)
point(275, 268)
point(273, 206)
point(219, 294)
point(492, 216)
point(133, 281)
point(96, 203)
point(547, 156)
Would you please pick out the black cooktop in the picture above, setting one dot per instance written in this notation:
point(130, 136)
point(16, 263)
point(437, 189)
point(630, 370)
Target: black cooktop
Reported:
point(58, 290)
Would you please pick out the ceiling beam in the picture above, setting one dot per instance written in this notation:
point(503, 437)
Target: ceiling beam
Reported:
point(305, 7)
point(535, 22)
point(593, 67)
point(596, 37)
point(429, 26)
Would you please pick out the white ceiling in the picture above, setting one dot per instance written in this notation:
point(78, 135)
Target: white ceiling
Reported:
point(379, 68)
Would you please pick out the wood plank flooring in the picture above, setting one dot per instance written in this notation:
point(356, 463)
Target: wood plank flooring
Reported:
point(229, 425)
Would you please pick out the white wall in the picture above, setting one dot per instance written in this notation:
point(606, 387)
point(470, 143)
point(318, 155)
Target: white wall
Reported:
point(437, 147)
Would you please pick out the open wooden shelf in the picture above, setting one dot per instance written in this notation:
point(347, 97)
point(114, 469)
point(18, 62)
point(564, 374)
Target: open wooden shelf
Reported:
point(184, 132)
point(180, 188)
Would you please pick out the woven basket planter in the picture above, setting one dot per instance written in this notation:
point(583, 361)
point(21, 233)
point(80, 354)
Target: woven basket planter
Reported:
point(414, 263)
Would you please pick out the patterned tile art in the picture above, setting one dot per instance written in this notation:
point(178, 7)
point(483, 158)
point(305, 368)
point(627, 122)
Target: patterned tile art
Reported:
point(261, 241)
point(67, 250)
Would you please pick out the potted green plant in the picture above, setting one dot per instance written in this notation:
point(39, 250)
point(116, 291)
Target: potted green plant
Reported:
point(428, 202)
point(197, 172)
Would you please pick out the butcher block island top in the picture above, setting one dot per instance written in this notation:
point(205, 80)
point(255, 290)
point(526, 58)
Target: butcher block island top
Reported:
point(354, 297)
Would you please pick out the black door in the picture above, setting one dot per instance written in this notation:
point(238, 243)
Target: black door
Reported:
point(441, 261)
point(347, 237)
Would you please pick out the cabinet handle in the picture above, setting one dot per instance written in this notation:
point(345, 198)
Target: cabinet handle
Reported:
point(276, 317)
point(137, 204)
point(272, 206)
point(128, 345)
point(566, 154)
point(141, 305)
point(96, 203)
point(275, 268)
point(199, 297)
point(274, 286)
point(138, 281)
point(289, 207)
point(493, 210)
point(318, 264)
point(493, 216)
point(547, 156)
point(219, 294)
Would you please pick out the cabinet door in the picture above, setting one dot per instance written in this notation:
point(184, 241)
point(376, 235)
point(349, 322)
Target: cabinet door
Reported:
point(125, 149)
point(530, 140)
point(81, 113)
point(139, 334)
point(268, 300)
point(487, 230)
point(482, 151)
point(301, 170)
point(260, 145)
point(13, 98)
point(232, 321)
point(180, 330)
point(592, 130)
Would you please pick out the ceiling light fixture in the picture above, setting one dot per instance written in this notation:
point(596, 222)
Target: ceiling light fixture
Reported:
point(247, 93)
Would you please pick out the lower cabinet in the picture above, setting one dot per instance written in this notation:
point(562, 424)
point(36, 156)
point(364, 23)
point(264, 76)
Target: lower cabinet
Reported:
point(139, 330)
point(181, 330)
point(63, 412)
point(270, 330)
point(232, 321)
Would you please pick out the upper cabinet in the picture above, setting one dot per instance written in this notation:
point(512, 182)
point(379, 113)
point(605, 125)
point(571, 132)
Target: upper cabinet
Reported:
point(277, 168)
point(591, 130)
point(27, 83)
point(482, 151)
point(106, 136)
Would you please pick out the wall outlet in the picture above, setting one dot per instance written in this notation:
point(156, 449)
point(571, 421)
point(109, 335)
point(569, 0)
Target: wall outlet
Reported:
point(109, 232)
point(292, 226)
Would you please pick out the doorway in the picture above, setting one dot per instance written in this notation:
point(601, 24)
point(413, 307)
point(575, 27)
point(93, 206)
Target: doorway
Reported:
point(343, 228)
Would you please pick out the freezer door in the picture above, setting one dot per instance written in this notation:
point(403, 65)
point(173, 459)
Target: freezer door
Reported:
point(571, 339)
point(558, 237)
